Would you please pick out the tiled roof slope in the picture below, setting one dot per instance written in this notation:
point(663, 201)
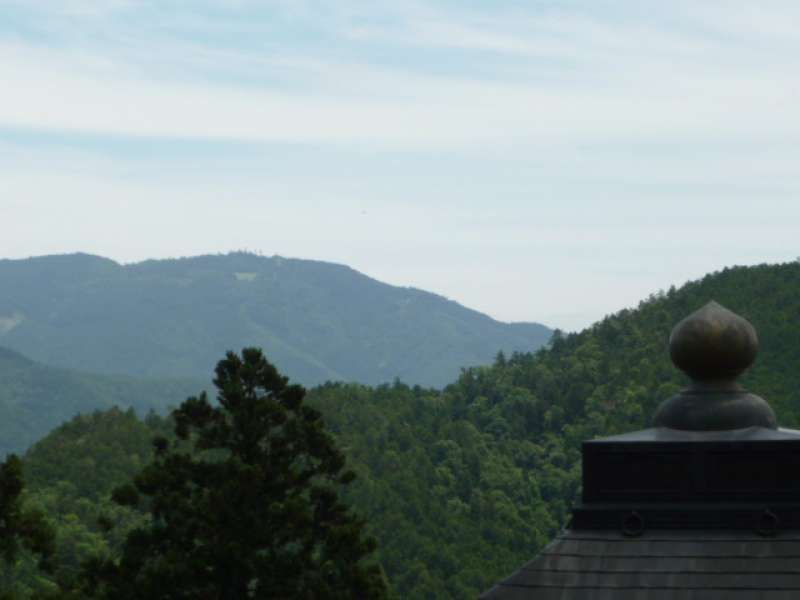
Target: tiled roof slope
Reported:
point(659, 565)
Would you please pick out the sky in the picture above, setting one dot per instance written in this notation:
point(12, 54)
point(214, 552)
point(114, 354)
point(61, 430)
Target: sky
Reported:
point(550, 161)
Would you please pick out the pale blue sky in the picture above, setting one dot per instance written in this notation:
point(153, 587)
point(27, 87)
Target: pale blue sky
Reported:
point(547, 161)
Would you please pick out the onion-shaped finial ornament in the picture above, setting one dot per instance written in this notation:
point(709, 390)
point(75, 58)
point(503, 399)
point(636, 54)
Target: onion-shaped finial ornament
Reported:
point(713, 346)
point(713, 343)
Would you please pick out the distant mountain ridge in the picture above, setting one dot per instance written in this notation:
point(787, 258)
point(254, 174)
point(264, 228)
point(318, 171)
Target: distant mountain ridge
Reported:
point(316, 321)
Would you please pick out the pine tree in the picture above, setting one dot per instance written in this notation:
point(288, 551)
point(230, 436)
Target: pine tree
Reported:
point(245, 504)
point(21, 528)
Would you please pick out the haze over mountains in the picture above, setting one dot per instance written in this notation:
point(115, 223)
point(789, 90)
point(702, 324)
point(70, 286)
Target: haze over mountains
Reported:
point(316, 321)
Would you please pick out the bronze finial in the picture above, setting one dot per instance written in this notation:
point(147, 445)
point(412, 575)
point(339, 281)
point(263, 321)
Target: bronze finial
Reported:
point(713, 343)
point(713, 346)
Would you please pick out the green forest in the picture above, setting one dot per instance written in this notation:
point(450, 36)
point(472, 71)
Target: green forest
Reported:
point(459, 486)
point(35, 398)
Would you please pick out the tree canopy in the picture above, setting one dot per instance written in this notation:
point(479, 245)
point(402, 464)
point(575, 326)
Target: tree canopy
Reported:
point(243, 504)
point(21, 528)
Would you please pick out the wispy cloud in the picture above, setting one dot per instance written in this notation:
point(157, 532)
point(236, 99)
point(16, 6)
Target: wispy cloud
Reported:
point(84, 93)
point(588, 79)
point(504, 143)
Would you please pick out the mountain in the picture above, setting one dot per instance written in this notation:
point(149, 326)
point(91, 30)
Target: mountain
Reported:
point(35, 398)
point(462, 486)
point(316, 321)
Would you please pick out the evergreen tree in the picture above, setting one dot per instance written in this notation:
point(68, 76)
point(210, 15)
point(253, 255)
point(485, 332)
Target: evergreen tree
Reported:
point(244, 504)
point(20, 528)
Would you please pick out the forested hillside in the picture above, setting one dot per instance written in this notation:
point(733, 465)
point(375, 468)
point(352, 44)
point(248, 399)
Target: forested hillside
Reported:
point(35, 398)
point(462, 486)
point(174, 318)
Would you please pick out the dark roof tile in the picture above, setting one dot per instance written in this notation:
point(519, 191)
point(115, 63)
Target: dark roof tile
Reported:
point(666, 565)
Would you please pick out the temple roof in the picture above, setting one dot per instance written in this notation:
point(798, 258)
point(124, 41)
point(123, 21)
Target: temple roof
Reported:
point(664, 565)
